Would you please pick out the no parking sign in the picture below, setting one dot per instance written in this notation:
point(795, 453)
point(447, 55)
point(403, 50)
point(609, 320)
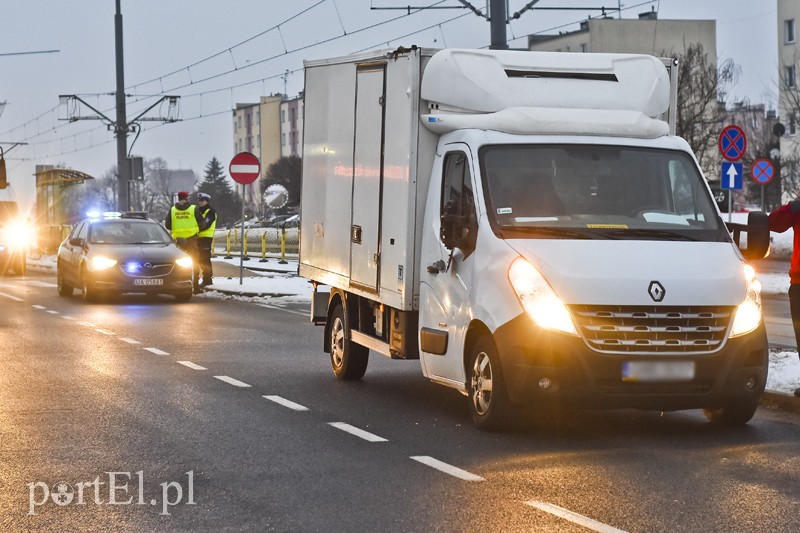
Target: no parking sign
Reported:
point(763, 171)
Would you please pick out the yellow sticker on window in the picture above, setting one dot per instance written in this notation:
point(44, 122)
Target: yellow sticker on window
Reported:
point(607, 226)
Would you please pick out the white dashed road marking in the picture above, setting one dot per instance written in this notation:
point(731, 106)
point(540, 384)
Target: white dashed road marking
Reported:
point(87, 324)
point(129, 341)
point(39, 307)
point(191, 365)
point(446, 468)
point(575, 518)
point(156, 351)
point(67, 317)
point(366, 435)
point(287, 403)
point(231, 381)
point(52, 312)
point(105, 331)
point(11, 297)
point(35, 283)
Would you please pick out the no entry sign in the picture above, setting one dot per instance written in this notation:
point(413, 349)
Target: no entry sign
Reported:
point(244, 168)
point(732, 143)
point(763, 171)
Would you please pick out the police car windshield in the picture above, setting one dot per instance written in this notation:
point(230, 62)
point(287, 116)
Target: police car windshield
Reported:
point(127, 232)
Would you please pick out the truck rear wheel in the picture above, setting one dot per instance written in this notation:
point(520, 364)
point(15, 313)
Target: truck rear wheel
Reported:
point(488, 401)
point(737, 414)
point(348, 359)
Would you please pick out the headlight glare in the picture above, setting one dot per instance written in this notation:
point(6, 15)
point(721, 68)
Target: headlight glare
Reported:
point(102, 263)
point(184, 262)
point(538, 298)
point(748, 314)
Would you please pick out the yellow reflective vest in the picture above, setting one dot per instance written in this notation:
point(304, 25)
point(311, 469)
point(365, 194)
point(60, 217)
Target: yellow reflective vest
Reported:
point(184, 224)
point(209, 231)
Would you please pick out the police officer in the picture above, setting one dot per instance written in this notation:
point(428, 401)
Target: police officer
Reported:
point(208, 223)
point(183, 222)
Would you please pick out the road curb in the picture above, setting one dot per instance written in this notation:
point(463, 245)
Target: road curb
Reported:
point(780, 400)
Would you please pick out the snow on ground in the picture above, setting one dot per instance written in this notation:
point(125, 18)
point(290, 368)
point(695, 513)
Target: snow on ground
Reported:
point(280, 284)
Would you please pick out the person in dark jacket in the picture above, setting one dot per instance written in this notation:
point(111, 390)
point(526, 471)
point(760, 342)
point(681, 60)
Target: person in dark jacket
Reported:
point(208, 223)
point(785, 217)
point(183, 221)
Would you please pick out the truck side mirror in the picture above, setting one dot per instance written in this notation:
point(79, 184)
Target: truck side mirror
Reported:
point(757, 229)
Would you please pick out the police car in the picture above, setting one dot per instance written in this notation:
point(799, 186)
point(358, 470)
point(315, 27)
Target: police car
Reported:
point(118, 253)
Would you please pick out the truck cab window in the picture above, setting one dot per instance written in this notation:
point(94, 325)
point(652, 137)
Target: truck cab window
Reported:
point(457, 206)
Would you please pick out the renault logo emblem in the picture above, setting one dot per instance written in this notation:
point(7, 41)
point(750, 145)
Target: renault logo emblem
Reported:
point(656, 291)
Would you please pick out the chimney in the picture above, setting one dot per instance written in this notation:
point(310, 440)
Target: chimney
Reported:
point(649, 15)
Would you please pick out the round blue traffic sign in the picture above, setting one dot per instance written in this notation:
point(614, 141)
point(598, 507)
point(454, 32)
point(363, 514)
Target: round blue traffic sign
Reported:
point(732, 143)
point(763, 171)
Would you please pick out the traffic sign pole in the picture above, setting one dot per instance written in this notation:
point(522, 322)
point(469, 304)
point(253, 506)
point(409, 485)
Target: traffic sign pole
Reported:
point(244, 168)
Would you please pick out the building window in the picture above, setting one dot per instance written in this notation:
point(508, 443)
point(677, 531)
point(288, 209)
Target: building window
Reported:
point(283, 115)
point(789, 76)
point(792, 125)
point(584, 47)
point(788, 31)
point(283, 139)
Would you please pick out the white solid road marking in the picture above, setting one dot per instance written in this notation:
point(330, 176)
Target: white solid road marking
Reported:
point(129, 341)
point(12, 297)
point(287, 403)
point(231, 381)
point(191, 365)
point(39, 307)
point(575, 518)
point(105, 331)
point(446, 468)
point(156, 351)
point(366, 435)
point(277, 308)
point(52, 312)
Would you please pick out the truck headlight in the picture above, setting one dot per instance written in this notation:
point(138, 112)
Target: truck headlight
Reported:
point(748, 314)
point(102, 263)
point(18, 236)
point(184, 262)
point(538, 298)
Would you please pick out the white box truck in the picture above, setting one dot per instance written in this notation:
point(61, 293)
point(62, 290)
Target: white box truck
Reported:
point(527, 225)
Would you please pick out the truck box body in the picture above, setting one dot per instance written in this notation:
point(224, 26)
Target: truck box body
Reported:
point(527, 225)
point(358, 173)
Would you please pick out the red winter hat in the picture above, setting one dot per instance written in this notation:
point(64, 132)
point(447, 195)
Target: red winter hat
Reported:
point(183, 195)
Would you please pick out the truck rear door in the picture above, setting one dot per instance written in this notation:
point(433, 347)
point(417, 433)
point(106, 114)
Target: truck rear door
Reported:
point(367, 176)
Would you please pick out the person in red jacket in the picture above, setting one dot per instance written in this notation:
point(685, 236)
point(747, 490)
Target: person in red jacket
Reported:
point(785, 217)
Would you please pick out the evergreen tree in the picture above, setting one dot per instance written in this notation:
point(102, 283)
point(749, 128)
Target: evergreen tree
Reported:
point(223, 198)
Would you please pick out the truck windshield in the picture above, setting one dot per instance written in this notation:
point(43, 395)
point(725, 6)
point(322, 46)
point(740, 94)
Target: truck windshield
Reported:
point(614, 192)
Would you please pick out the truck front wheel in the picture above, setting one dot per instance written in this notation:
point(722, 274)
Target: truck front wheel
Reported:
point(348, 359)
point(488, 402)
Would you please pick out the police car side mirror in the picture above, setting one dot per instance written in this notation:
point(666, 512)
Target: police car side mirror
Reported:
point(77, 241)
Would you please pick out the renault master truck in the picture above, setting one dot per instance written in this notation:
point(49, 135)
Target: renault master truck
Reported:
point(527, 225)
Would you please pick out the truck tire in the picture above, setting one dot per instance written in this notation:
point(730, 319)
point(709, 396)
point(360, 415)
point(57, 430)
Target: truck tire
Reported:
point(488, 401)
point(64, 288)
point(348, 359)
point(737, 414)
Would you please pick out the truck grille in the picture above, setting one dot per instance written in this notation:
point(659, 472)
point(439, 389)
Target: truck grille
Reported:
point(651, 329)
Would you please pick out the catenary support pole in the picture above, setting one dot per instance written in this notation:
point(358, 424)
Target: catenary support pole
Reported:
point(123, 168)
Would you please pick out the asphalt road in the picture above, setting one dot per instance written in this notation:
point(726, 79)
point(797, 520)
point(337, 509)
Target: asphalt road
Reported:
point(223, 415)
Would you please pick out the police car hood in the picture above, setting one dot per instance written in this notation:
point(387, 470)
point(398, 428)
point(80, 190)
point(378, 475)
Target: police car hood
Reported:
point(141, 253)
point(636, 272)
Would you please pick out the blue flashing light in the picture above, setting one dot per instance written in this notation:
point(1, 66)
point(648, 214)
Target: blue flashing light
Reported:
point(132, 268)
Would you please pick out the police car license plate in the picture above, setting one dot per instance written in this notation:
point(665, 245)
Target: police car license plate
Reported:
point(148, 281)
point(657, 371)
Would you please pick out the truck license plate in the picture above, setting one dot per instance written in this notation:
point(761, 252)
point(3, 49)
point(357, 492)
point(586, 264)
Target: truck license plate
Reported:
point(657, 371)
point(148, 281)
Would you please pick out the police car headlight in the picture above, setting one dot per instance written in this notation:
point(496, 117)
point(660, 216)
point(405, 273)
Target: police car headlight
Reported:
point(102, 263)
point(748, 314)
point(538, 298)
point(184, 262)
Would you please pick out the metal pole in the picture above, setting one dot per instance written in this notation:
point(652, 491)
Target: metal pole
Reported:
point(497, 21)
point(241, 255)
point(123, 169)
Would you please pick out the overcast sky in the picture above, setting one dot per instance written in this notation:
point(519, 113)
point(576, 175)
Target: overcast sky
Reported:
point(215, 54)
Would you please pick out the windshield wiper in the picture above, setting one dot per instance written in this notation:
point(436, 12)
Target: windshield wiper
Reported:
point(649, 233)
point(564, 233)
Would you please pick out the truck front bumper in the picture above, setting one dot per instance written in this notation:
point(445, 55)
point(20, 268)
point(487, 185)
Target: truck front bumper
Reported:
point(547, 368)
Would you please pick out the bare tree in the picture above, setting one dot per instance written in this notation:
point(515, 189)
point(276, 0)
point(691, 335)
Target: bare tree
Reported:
point(702, 88)
point(790, 110)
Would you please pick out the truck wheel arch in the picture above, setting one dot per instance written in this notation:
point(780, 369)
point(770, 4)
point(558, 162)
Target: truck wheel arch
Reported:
point(335, 299)
point(475, 331)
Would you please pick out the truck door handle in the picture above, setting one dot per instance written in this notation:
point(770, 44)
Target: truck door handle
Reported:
point(437, 267)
